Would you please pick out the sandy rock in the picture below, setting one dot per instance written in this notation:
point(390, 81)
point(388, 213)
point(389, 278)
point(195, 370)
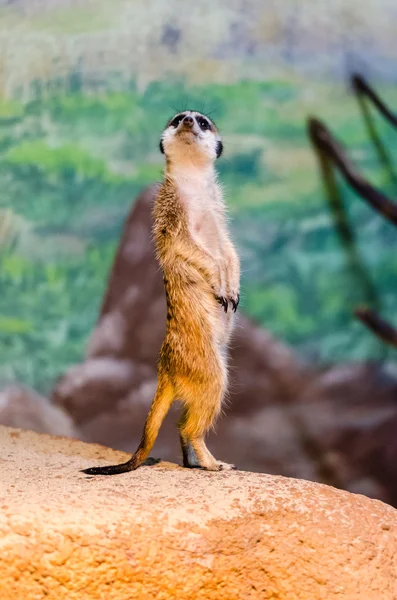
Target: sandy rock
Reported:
point(166, 532)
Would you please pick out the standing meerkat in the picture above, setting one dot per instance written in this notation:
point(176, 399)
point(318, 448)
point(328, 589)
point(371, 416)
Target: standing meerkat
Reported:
point(201, 273)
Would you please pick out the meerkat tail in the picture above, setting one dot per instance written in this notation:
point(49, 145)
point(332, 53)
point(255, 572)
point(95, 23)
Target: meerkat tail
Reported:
point(159, 409)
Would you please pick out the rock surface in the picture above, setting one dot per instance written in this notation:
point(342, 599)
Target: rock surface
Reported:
point(335, 425)
point(167, 532)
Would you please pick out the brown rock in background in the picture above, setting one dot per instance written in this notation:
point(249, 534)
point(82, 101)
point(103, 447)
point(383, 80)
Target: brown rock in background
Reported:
point(173, 533)
point(283, 417)
point(22, 407)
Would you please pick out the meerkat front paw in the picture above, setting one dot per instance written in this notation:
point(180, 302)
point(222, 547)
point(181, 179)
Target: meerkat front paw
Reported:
point(224, 301)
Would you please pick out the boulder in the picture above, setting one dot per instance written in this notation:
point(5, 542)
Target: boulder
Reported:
point(168, 532)
point(24, 408)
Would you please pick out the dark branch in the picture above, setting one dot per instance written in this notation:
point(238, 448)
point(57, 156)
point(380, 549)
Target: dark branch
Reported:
point(324, 141)
point(345, 231)
point(363, 88)
point(377, 325)
point(383, 152)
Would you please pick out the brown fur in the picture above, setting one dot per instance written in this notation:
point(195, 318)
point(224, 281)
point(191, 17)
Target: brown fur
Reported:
point(201, 280)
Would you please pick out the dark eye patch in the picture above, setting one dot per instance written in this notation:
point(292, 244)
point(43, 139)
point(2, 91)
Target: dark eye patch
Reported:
point(203, 123)
point(175, 122)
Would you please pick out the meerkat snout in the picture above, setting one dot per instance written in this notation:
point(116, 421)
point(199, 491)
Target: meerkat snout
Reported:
point(188, 122)
point(192, 135)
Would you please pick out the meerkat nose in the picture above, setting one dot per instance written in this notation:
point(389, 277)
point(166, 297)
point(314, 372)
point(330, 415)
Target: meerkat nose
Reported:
point(188, 121)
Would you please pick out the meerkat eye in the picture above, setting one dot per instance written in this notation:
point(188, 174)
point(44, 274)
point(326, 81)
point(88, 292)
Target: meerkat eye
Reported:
point(203, 123)
point(176, 121)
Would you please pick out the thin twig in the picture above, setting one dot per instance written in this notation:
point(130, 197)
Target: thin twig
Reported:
point(363, 88)
point(345, 231)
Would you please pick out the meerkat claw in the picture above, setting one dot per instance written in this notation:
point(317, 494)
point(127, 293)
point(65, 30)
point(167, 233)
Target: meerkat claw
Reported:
point(235, 302)
point(222, 300)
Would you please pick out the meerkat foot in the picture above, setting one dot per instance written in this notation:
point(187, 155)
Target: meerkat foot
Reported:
point(223, 466)
point(218, 465)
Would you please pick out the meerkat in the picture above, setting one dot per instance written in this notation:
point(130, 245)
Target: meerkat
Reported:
point(201, 273)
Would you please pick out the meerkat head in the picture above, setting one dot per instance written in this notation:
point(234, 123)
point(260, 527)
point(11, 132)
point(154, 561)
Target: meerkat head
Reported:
point(191, 136)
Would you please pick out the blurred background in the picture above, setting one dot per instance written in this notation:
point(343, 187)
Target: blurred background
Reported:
point(85, 89)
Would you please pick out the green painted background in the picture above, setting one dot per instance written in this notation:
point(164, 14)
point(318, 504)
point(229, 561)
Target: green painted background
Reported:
point(85, 89)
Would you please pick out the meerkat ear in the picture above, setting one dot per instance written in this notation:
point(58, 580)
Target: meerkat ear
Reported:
point(219, 148)
point(161, 145)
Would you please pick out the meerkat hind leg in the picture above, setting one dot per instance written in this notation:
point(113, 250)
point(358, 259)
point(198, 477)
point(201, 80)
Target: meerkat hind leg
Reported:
point(196, 420)
point(189, 456)
point(205, 458)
